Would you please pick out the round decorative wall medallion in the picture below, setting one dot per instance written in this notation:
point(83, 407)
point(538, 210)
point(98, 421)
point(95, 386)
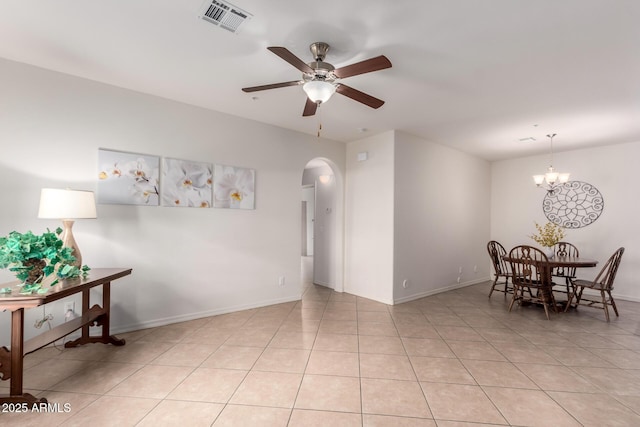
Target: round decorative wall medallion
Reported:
point(574, 204)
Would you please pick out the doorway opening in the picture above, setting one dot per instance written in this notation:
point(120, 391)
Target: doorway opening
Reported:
point(322, 225)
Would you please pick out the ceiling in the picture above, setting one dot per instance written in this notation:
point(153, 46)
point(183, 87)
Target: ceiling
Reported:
point(478, 76)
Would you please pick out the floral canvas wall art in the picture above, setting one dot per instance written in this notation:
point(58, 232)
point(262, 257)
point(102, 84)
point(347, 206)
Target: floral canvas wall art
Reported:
point(233, 187)
point(186, 183)
point(128, 178)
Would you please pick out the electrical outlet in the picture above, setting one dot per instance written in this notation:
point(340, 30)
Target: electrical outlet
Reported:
point(475, 268)
point(281, 281)
point(460, 270)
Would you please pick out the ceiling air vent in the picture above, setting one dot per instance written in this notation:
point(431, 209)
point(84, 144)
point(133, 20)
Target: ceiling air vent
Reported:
point(224, 14)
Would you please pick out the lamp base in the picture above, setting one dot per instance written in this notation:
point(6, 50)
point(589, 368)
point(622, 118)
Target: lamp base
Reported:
point(68, 241)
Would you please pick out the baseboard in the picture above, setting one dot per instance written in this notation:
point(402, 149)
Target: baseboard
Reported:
point(625, 298)
point(326, 285)
point(616, 296)
point(440, 290)
point(119, 329)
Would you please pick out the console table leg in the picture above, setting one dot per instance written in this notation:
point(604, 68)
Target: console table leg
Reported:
point(103, 321)
point(17, 349)
point(106, 303)
point(16, 394)
point(85, 308)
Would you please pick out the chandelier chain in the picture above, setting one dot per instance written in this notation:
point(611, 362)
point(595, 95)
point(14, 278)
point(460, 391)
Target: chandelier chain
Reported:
point(550, 136)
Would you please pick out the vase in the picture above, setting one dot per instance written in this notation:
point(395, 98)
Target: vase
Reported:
point(549, 252)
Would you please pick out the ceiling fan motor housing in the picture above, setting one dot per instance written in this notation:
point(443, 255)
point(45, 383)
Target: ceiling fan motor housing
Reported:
point(322, 71)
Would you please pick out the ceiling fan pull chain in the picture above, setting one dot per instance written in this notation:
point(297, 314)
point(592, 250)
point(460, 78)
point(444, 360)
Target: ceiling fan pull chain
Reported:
point(319, 116)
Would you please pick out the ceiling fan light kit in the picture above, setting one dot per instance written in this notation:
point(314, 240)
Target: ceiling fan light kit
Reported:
point(319, 77)
point(319, 91)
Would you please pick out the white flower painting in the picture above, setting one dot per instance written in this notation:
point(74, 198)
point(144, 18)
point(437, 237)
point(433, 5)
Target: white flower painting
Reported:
point(186, 184)
point(233, 187)
point(128, 178)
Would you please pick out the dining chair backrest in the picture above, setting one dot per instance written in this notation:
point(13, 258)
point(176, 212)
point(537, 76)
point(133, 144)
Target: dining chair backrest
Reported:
point(564, 249)
point(608, 273)
point(500, 266)
point(528, 265)
point(496, 252)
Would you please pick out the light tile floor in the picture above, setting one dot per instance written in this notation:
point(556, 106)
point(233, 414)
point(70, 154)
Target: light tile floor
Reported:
point(332, 359)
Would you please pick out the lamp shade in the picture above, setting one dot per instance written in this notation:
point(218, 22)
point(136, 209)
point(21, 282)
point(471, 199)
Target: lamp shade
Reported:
point(551, 177)
point(66, 204)
point(538, 179)
point(318, 90)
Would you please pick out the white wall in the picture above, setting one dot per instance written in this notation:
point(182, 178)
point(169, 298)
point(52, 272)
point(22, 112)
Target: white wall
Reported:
point(517, 203)
point(186, 262)
point(416, 211)
point(442, 206)
point(369, 218)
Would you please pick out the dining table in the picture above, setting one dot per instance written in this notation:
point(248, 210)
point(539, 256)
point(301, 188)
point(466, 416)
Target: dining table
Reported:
point(557, 261)
point(570, 262)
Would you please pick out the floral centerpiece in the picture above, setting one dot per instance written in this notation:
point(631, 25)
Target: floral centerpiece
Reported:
point(548, 235)
point(33, 257)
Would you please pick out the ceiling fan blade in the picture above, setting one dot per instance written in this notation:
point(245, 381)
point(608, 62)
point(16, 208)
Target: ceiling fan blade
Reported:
point(272, 86)
point(368, 65)
point(309, 108)
point(356, 95)
point(285, 54)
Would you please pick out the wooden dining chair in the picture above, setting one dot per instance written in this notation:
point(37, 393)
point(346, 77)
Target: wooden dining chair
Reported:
point(565, 249)
point(603, 283)
point(530, 273)
point(501, 268)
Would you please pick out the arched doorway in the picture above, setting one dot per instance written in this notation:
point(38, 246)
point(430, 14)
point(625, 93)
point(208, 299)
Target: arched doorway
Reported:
point(322, 224)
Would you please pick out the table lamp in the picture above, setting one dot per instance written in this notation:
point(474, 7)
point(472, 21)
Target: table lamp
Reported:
point(67, 205)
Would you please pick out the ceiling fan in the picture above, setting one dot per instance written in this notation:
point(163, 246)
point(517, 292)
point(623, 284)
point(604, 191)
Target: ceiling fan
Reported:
point(319, 78)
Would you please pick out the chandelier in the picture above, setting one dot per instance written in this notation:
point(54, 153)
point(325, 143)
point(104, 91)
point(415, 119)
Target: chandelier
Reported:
point(551, 179)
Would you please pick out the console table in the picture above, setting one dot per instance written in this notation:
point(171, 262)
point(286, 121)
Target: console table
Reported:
point(11, 361)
